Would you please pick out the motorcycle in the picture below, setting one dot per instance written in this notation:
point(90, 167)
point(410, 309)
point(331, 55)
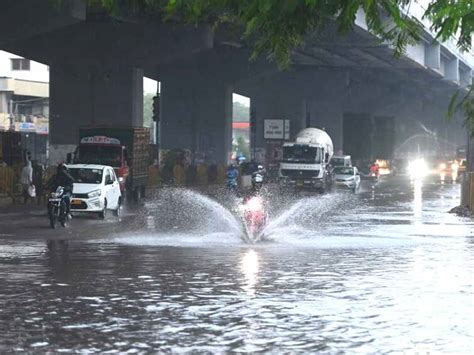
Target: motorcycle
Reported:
point(254, 217)
point(57, 208)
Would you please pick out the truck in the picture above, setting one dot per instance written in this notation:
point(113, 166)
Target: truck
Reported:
point(125, 149)
point(305, 162)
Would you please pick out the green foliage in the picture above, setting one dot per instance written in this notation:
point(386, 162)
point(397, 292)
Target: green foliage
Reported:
point(243, 147)
point(148, 109)
point(453, 18)
point(240, 112)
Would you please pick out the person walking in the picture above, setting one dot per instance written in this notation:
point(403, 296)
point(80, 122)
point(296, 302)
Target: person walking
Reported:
point(26, 180)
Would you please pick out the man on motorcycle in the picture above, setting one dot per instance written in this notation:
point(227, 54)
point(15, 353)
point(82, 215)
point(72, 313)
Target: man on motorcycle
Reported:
point(232, 176)
point(64, 179)
point(258, 178)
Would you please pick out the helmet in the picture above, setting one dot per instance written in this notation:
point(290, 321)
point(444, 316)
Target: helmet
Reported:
point(260, 167)
point(62, 167)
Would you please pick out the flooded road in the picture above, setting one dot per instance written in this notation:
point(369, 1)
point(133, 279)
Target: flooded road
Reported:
point(384, 270)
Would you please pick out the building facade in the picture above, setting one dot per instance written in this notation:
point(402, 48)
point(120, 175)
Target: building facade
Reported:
point(24, 108)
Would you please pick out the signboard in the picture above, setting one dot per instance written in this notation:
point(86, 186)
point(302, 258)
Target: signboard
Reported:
point(276, 129)
point(26, 127)
point(100, 140)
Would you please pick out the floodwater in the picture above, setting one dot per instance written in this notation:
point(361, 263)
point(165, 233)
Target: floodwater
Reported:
point(385, 270)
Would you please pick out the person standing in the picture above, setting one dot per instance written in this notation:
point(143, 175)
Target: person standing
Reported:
point(26, 180)
point(38, 172)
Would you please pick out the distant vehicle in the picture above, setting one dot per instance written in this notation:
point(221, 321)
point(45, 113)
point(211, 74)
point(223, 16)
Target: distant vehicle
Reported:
point(341, 160)
point(347, 177)
point(305, 161)
point(96, 189)
point(124, 149)
point(447, 167)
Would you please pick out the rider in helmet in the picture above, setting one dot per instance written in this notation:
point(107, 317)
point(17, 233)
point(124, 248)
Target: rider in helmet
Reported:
point(232, 176)
point(64, 179)
point(258, 179)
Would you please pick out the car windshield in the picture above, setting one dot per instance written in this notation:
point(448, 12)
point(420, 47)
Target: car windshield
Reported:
point(302, 154)
point(337, 161)
point(86, 175)
point(341, 170)
point(103, 155)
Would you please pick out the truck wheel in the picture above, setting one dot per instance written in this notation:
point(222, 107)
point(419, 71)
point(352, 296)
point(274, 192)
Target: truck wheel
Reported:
point(103, 213)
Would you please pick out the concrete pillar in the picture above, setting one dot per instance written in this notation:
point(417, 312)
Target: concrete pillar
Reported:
point(5, 97)
point(83, 94)
point(197, 115)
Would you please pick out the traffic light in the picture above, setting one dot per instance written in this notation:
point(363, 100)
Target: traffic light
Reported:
point(156, 108)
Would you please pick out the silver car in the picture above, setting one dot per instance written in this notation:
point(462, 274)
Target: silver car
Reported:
point(347, 177)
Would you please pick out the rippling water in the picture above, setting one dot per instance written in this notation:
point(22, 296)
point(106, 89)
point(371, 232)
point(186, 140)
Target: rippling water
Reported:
point(386, 270)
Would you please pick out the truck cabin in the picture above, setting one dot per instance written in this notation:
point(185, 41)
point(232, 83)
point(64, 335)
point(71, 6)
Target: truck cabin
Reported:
point(101, 150)
point(304, 153)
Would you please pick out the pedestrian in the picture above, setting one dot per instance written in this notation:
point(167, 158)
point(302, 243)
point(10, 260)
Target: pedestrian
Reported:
point(38, 172)
point(26, 180)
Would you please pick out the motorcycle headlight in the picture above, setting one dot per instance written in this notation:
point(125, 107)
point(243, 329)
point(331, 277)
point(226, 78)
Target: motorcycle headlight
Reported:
point(95, 193)
point(120, 179)
point(54, 195)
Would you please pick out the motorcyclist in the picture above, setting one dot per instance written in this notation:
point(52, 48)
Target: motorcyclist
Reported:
point(64, 179)
point(232, 176)
point(260, 171)
point(258, 178)
point(374, 168)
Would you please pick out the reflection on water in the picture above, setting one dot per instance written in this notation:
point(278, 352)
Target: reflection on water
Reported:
point(417, 199)
point(249, 266)
point(362, 277)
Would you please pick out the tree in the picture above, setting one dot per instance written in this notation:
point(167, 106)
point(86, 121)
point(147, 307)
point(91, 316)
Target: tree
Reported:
point(240, 112)
point(148, 109)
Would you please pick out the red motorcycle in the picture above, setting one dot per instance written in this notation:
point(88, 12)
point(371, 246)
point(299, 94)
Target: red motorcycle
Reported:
point(254, 217)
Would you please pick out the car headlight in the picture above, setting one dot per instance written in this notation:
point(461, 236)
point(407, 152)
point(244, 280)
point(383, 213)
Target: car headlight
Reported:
point(95, 193)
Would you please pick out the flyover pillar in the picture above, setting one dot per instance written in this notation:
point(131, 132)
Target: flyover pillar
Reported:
point(85, 94)
point(197, 116)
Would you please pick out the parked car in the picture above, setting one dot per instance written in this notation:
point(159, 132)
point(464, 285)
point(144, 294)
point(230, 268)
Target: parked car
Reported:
point(346, 177)
point(96, 189)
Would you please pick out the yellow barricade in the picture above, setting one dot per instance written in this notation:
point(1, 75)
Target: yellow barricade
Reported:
point(201, 174)
point(7, 181)
point(154, 178)
point(221, 174)
point(179, 175)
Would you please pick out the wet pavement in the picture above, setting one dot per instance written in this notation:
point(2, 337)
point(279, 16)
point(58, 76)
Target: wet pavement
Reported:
point(385, 270)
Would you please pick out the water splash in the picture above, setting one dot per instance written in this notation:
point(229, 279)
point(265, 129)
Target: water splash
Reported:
point(306, 216)
point(182, 210)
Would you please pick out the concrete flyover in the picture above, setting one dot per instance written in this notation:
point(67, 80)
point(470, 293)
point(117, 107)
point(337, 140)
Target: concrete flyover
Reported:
point(97, 64)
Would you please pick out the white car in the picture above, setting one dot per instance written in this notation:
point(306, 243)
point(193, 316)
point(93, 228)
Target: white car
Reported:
point(96, 189)
point(347, 177)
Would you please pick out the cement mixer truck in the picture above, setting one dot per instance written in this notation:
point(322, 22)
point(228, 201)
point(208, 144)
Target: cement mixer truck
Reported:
point(305, 162)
